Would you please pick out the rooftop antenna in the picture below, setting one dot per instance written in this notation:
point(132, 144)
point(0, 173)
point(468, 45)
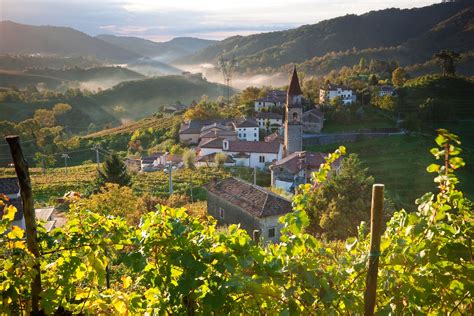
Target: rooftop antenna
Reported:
point(227, 67)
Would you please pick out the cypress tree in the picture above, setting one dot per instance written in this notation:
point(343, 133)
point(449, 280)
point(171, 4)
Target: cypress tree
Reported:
point(114, 170)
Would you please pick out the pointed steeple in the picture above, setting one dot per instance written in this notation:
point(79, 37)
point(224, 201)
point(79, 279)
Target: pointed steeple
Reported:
point(294, 88)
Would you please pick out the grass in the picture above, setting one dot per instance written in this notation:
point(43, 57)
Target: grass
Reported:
point(372, 119)
point(400, 163)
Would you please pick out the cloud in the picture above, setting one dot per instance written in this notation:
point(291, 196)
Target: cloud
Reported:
point(161, 20)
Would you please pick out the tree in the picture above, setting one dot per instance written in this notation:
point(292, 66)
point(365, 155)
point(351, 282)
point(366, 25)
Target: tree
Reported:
point(373, 80)
point(338, 205)
point(387, 102)
point(189, 157)
point(447, 61)
point(114, 170)
point(116, 200)
point(220, 160)
point(45, 118)
point(399, 76)
point(61, 108)
point(362, 63)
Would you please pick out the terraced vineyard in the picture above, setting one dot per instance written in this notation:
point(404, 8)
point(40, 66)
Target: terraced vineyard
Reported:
point(155, 122)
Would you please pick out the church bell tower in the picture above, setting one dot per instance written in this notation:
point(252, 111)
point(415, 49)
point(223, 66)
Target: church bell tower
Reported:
point(293, 117)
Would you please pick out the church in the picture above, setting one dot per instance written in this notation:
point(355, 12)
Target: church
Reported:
point(297, 165)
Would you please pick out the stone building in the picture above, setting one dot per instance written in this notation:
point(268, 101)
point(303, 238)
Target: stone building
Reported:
point(234, 201)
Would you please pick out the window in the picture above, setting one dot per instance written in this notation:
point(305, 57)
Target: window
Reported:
point(245, 135)
point(261, 158)
point(295, 116)
point(221, 213)
point(255, 135)
point(271, 232)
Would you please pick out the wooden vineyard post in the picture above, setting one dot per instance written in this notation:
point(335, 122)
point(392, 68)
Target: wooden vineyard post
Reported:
point(21, 169)
point(375, 232)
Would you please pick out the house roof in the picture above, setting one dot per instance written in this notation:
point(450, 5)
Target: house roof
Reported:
point(268, 116)
point(9, 186)
point(212, 157)
point(246, 123)
point(254, 147)
point(331, 86)
point(211, 143)
point(314, 115)
point(195, 126)
point(216, 134)
point(175, 159)
point(151, 158)
point(300, 160)
point(274, 137)
point(251, 198)
point(294, 88)
point(274, 96)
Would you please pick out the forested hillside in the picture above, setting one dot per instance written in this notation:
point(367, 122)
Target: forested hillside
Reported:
point(408, 35)
point(127, 100)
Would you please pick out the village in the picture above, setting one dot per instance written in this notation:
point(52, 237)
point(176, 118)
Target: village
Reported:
point(214, 158)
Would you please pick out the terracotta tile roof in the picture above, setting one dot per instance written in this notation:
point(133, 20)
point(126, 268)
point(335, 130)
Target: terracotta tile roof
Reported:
point(195, 126)
point(246, 123)
point(294, 88)
point(212, 157)
point(175, 159)
point(9, 186)
point(219, 133)
point(274, 137)
point(268, 116)
point(212, 143)
point(251, 198)
point(254, 147)
point(300, 160)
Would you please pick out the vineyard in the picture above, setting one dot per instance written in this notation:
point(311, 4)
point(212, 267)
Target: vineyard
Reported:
point(152, 122)
point(173, 263)
point(56, 181)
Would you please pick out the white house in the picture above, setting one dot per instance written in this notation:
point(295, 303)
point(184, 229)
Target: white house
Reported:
point(333, 91)
point(269, 120)
point(386, 90)
point(247, 130)
point(153, 162)
point(273, 99)
point(245, 153)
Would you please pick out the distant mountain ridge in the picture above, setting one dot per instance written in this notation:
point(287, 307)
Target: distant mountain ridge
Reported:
point(411, 28)
point(54, 40)
point(68, 42)
point(161, 51)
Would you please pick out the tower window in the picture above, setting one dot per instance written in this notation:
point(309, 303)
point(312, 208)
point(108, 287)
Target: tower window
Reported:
point(295, 116)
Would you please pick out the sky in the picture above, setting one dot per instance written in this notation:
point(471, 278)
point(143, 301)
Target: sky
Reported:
point(160, 20)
